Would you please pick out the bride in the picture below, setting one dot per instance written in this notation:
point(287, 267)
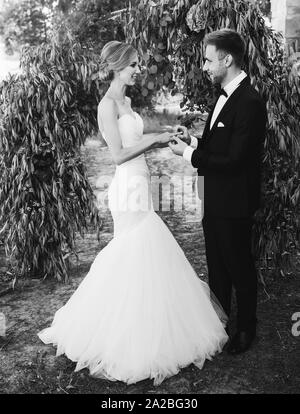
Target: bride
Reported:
point(141, 312)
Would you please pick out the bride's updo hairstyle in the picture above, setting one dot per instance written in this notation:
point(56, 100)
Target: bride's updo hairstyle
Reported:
point(115, 56)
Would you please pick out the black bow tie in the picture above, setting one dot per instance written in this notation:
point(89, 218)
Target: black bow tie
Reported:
point(222, 92)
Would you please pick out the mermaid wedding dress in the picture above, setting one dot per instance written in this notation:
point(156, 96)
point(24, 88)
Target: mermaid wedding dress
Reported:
point(141, 312)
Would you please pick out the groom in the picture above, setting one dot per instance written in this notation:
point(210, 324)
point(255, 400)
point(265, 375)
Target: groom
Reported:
point(229, 157)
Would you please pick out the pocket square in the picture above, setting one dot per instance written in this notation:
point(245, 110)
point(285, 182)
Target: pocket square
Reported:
point(220, 125)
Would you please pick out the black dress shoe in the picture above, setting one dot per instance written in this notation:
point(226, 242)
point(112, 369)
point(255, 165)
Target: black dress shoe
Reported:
point(241, 342)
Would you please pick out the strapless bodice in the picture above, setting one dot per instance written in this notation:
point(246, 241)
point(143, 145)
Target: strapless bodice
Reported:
point(131, 129)
point(129, 193)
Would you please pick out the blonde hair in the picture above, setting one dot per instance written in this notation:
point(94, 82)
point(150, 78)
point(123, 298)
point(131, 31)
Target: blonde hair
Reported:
point(115, 56)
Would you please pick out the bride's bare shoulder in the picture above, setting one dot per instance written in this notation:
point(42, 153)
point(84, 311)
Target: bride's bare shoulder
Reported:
point(107, 106)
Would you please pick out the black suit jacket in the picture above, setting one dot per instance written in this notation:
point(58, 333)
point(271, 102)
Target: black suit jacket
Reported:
point(229, 157)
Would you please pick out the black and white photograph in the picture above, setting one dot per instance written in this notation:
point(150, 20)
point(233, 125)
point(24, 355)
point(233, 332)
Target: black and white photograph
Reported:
point(149, 200)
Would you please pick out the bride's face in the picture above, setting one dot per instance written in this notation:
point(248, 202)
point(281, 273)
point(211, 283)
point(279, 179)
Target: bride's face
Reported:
point(129, 74)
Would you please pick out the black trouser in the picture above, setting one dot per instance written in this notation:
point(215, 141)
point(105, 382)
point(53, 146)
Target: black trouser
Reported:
point(230, 263)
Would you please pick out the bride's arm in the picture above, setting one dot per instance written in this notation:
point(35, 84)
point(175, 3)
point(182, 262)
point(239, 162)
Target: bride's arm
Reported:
point(107, 112)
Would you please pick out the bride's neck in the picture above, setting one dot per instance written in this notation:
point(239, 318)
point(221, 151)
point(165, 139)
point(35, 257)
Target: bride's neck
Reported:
point(117, 90)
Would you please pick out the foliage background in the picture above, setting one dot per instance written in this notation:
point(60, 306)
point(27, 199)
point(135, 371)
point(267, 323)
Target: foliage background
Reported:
point(45, 194)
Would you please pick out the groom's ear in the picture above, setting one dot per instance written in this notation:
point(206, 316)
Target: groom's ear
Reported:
point(228, 60)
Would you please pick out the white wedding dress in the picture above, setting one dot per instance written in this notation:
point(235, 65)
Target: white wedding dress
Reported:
point(141, 312)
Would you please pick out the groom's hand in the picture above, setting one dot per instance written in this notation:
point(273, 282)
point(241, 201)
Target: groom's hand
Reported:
point(177, 146)
point(185, 137)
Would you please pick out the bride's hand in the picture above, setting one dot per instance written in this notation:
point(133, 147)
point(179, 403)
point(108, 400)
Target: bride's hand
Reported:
point(162, 140)
point(185, 136)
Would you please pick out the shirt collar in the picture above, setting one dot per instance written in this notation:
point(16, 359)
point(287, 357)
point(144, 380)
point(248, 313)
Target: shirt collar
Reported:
point(232, 85)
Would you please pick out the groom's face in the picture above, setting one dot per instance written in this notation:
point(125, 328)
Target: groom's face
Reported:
point(214, 64)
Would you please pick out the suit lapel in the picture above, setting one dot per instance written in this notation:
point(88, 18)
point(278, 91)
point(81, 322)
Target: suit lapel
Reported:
point(227, 107)
point(207, 124)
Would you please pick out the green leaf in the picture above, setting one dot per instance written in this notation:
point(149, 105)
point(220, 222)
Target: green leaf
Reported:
point(153, 69)
point(158, 58)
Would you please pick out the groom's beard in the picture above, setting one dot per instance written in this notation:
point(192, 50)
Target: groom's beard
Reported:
point(217, 78)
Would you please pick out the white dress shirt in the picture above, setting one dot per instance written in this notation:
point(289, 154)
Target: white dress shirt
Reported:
point(229, 89)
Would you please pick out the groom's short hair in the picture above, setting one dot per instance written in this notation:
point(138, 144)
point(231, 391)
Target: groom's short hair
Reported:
point(228, 41)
